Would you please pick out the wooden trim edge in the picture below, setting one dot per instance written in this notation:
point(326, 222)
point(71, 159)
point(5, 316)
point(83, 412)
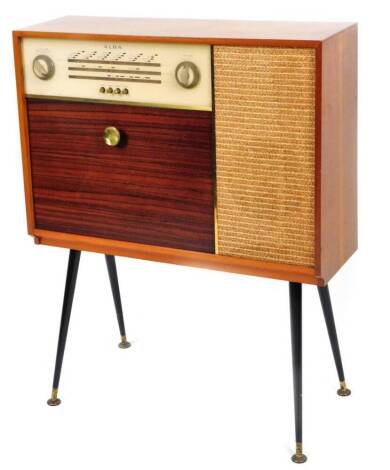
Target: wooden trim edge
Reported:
point(171, 39)
point(181, 257)
point(318, 159)
point(24, 139)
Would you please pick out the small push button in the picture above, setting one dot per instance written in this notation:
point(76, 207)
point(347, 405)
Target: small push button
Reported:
point(102, 89)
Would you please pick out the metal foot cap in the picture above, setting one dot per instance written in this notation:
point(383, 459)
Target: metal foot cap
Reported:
point(124, 344)
point(53, 402)
point(343, 391)
point(299, 458)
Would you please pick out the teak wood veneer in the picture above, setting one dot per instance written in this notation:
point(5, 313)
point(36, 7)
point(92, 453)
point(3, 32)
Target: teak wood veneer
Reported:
point(335, 134)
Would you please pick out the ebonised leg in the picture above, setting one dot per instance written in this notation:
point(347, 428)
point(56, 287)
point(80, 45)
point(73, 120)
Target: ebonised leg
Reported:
point(111, 266)
point(296, 343)
point(330, 325)
point(71, 277)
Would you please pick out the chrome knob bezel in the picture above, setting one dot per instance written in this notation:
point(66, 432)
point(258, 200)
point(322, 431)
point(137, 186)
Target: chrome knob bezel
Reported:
point(38, 72)
point(195, 71)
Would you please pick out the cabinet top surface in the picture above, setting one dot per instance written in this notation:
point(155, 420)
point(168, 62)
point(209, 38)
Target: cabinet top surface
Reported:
point(185, 28)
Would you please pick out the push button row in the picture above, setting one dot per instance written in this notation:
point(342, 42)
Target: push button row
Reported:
point(115, 91)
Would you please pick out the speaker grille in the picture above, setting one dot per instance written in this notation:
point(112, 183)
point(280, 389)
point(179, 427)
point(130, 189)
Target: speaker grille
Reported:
point(264, 124)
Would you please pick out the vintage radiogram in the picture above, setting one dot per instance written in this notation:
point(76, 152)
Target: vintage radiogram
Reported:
point(218, 144)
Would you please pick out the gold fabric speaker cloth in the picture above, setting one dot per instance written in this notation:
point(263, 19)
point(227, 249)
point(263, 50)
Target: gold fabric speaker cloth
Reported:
point(265, 141)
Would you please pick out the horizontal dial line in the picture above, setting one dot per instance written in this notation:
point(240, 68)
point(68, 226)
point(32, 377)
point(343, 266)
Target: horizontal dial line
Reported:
point(114, 62)
point(142, 72)
point(114, 79)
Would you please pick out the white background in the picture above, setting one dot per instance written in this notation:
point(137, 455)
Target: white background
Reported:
point(207, 384)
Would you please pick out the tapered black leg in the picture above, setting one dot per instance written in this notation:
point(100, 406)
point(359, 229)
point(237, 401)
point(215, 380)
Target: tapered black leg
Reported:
point(111, 266)
point(71, 277)
point(331, 327)
point(296, 344)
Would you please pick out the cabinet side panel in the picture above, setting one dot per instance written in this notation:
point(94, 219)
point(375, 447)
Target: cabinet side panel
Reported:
point(24, 134)
point(265, 153)
point(338, 151)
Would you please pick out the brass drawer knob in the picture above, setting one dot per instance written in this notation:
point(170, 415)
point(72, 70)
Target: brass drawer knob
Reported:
point(111, 136)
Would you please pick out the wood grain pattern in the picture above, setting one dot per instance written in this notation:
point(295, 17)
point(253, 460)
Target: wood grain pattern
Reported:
point(184, 30)
point(24, 135)
point(155, 188)
point(181, 257)
point(338, 185)
point(335, 133)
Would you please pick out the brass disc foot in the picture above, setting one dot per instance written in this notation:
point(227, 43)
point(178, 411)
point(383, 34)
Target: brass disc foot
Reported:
point(299, 456)
point(54, 400)
point(124, 344)
point(343, 391)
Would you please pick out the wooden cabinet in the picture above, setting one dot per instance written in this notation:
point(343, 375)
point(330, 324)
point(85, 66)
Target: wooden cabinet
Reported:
point(250, 169)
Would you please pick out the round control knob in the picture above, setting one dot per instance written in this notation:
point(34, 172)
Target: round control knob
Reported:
point(43, 67)
point(111, 136)
point(187, 74)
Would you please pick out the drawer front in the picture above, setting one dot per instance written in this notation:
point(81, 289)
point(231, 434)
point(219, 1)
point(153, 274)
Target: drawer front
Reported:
point(156, 187)
point(265, 153)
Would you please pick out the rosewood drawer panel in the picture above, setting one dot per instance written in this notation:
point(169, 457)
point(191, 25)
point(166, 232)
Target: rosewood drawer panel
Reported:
point(156, 187)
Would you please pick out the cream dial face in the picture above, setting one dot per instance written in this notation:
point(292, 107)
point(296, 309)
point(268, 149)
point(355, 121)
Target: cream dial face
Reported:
point(155, 74)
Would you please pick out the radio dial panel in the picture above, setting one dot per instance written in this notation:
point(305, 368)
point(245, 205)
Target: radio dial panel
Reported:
point(155, 74)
